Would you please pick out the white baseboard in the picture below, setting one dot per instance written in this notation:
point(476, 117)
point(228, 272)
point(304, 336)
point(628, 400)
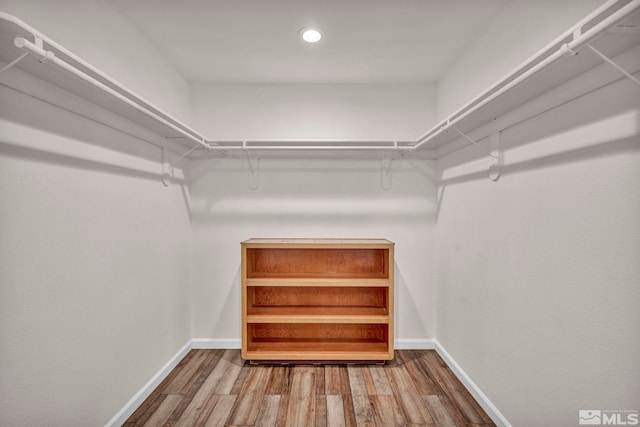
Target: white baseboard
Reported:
point(133, 404)
point(415, 344)
point(216, 343)
point(234, 343)
point(475, 391)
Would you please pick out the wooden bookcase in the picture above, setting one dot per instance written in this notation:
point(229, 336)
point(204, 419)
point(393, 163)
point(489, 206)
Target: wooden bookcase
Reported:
point(317, 300)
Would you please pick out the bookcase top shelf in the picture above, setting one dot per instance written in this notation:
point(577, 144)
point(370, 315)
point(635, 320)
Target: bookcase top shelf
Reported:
point(317, 243)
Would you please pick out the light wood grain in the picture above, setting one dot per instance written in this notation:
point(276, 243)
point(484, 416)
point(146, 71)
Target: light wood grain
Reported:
point(277, 242)
point(203, 415)
point(363, 411)
point(279, 381)
point(319, 379)
point(309, 395)
point(452, 410)
point(386, 411)
point(406, 393)
point(380, 381)
point(230, 366)
point(319, 281)
point(320, 409)
point(335, 411)
point(349, 410)
point(163, 411)
point(269, 411)
point(356, 381)
point(332, 384)
point(418, 372)
point(284, 409)
point(368, 381)
point(301, 398)
point(459, 396)
point(220, 413)
point(226, 370)
point(332, 315)
point(247, 406)
point(186, 374)
point(438, 411)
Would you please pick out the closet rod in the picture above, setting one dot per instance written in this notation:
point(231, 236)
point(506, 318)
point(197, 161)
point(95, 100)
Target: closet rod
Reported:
point(93, 71)
point(377, 145)
point(515, 77)
point(518, 75)
point(322, 147)
point(47, 56)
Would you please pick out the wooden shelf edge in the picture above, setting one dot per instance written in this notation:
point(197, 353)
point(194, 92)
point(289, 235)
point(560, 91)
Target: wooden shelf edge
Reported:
point(316, 318)
point(341, 282)
point(319, 243)
point(320, 356)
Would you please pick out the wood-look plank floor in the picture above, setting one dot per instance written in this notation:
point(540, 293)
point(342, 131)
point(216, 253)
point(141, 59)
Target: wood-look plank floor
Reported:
point(217, 388)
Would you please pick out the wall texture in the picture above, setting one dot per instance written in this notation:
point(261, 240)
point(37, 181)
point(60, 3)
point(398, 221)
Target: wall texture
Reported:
point(506, 43)
point(364, 111)
point(99, 34)
point(538, 273)
point(94, 266)
point(311, 198)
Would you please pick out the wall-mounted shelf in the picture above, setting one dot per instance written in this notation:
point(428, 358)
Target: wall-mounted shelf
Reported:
point(612, 29)
point(550, 77)
point(51, 62)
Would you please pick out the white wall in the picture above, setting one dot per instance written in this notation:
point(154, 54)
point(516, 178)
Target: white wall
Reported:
point(94, 265)
point(311, 198)
point(538, 273)
point(99, 34)
point(361, 111)
point(521, 29)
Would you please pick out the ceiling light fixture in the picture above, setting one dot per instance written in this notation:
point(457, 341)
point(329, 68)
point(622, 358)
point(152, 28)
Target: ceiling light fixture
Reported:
point(310, 34)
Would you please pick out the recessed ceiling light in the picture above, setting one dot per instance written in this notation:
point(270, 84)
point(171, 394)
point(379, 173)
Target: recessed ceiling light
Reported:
point(310, 34)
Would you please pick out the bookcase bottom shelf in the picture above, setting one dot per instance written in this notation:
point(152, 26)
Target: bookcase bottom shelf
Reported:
point(317, 350)
point(312, 341)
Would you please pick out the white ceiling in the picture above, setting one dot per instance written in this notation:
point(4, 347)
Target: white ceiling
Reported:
point(365, 41)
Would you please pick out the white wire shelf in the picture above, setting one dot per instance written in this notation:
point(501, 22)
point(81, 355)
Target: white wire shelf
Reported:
point(611, 30)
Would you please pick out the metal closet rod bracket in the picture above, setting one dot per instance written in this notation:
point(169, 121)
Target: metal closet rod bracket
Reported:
point(21, 42)
point(495, 153)
point(254, 164)
point(14, 62)
point(385, 173)
point(166, 168)
point(36, 48)
point(613, 64)
point(474, 142)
